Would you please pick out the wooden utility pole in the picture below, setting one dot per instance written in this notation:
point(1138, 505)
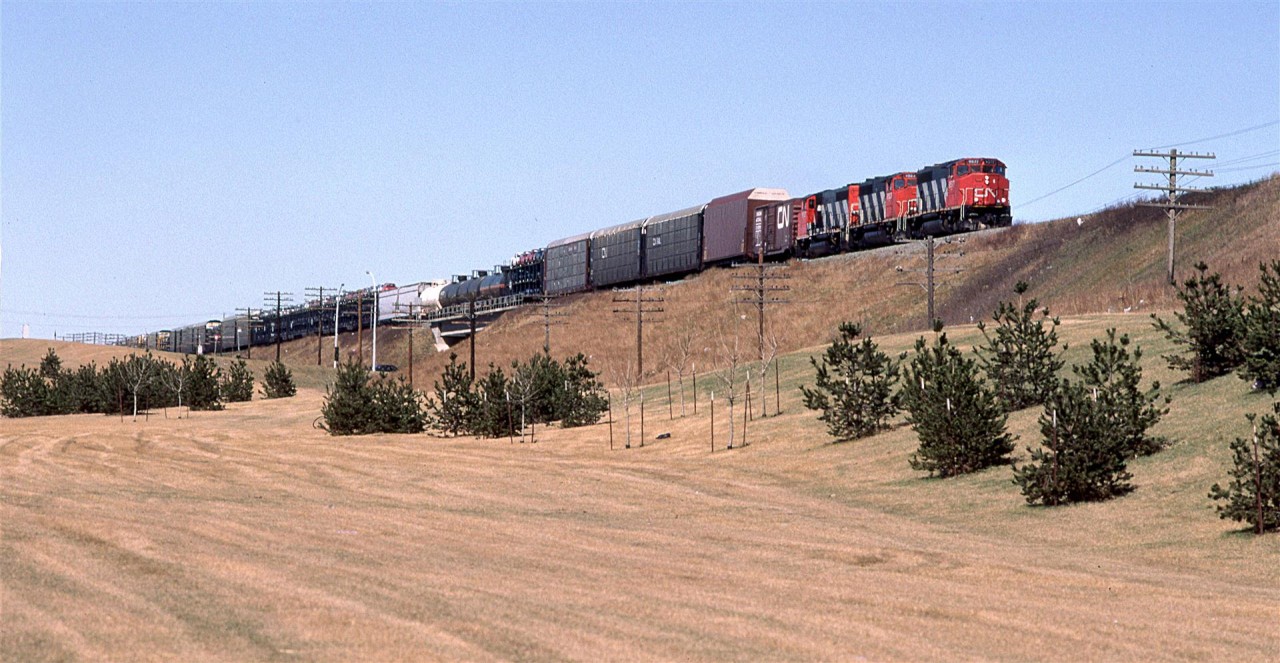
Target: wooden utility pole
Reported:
point(1171, 206)
point(761, 288)
point(930, 272)
point(318, 292)
point(471, 322)
point(550, 317)
point(281, 298)
point(413, 322)
point(639, 312)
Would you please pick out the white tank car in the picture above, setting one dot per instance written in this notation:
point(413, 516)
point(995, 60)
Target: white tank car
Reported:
point(429, 294)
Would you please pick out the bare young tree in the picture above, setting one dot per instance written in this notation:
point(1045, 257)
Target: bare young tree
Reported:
point(681, 346)
point(177, 381)
point(524, 384)
point(729, 359)
point(136, 371)
point(623, 376)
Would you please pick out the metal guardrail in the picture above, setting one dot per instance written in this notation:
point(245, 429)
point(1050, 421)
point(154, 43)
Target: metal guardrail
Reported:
point(461, 311)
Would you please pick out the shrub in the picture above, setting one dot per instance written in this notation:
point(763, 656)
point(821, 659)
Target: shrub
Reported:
point(957, 417)
point(24, 392)
point(1019, 358)
point(1211, 327)
point(1253, 496)
point(1114, 376)
point(1261, 344)
point(584, 399)
point(493, 417)
point(348, 407)
point(205, 384)
point(1082, 456)
point(397, 407)
point(237, 383)
point(357, 404)
point(278, 382)
point(454, 407)
point(853, 386)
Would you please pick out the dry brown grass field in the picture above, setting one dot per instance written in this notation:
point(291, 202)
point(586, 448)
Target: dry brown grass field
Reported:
point(250, 535)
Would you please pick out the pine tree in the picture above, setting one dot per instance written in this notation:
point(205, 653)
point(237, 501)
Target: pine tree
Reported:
point(1261, 344)
point(1115, 376)
point(585, 399)
point(452, 411)
point(61, 400)
point(277, 382)
point(1211, 329)
point(237, 384)
point(205, 386)
point(853, 386)
point(493, 413)
point(397, 407)
point(348, 408)
point(1253, 496)
point(51, 365)
point(88, 393)
point(957, 417)
point(1082, 456)
point(1020, 359)
point(545, 388)
point(25, 393)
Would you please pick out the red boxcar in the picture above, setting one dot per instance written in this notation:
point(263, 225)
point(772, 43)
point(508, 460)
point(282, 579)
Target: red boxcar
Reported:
point(726, 222)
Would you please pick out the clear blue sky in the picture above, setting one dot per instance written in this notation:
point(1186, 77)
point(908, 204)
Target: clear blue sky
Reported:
point(166, 163)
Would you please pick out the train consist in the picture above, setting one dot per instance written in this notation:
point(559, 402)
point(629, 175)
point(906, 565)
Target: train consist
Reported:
point(946, 198)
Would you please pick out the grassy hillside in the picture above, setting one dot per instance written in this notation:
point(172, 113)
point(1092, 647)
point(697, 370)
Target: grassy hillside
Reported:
point(249, 535)
point(1109, 262)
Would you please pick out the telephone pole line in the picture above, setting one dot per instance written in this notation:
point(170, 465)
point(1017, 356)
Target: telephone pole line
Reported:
point(318, 293)
point(930, 272)
point(281, 298)
point(1172, 191)
point(550, 316)
point(764, 277)
point(639, 312)
point(471, 338)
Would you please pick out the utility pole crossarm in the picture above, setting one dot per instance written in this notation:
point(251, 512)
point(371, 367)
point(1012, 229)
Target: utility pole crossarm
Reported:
point(1174, 153)
point(1176, 189)
point(1166, 171)
point(1175, 206)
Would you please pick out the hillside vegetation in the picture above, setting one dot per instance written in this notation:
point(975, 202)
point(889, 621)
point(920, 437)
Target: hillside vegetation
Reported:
point(1110, 261)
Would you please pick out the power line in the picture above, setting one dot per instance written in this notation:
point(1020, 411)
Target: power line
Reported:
point(79, 316)
point(1059, 190)
point(1237, 132)
point(1239, 169)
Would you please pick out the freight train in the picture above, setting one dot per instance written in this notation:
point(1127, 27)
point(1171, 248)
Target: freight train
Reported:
point(955, 196)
